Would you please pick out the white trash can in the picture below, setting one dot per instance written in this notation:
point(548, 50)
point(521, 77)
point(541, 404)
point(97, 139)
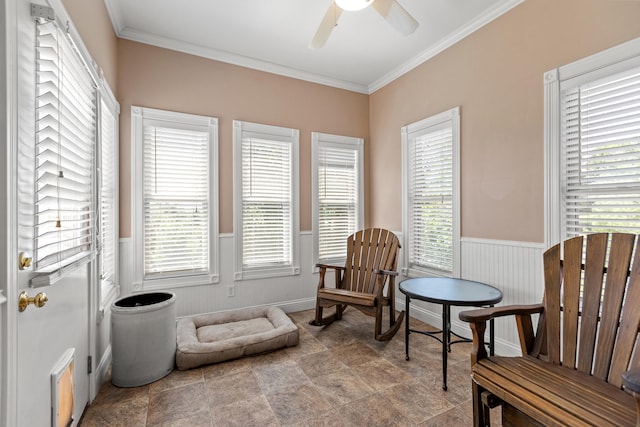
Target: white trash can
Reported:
point(143, 338)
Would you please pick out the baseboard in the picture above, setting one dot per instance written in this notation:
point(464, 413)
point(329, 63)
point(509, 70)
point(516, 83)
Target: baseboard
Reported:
point(286, 306)
point(502, 347)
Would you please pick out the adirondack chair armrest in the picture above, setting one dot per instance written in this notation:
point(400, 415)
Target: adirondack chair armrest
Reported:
point(322, 268)
point(478, 318)
point(485, 314)
point(631, 380)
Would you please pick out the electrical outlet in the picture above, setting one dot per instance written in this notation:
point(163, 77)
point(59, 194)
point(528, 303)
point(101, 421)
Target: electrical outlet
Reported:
point(231, 291)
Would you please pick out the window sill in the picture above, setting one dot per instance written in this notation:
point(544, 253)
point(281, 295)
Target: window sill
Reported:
point(175, 282)
point(266, 273)
point(49, 278)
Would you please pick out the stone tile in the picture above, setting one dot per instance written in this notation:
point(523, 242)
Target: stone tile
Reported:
point(308, 345)
point(321, 363)
point(229, 367)
point(244, 413)
point(278, 375)
point(416, 401)
point(176, 404)
point(455, 417)
point(225, 390)
point(125, 413)
point(342, 387)
point(294, 404)
point(330, 419)
point(373, 410)
point(334, 335)
point(381, 374)
point(112, 394)
point(356, 353)
point(176, 379)
point(305, 382)
point(277, 356)
point(201, 419)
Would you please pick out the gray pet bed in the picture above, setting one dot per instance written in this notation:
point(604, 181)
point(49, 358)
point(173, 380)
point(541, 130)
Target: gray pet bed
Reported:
point(216, 337)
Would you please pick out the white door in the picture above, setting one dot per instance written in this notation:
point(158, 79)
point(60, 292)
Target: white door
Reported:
point(43, 334)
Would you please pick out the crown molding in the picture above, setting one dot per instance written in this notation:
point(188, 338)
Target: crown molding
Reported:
point(243, 61)
point(117, 20)
point(444, 44)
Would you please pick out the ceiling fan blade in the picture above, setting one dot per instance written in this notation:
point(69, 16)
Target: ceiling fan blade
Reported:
point(396, 16)
point(329, 21)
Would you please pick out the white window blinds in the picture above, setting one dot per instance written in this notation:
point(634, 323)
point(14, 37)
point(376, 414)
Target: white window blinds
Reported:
point(108, 193)
point(338, 188)
point(266, 200)
point(65, 152)
point(600, 160)
point(176, 199)
point(431, 201)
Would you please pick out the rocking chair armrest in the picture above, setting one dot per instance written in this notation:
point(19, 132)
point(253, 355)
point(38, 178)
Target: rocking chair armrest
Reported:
point(334, 267)
point(484, 314)
point(386, 272)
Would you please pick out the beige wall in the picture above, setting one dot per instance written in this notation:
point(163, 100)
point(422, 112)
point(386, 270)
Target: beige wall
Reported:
point(91, 19)
point(169, 80)
point(496, 76)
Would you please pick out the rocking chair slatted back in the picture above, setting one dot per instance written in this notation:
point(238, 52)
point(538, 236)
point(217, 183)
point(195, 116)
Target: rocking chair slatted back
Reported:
point(588, 301)
point(369, 270)
point(368, 250)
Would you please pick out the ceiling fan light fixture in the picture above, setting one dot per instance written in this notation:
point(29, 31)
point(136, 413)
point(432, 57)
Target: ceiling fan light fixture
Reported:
point(353, 5)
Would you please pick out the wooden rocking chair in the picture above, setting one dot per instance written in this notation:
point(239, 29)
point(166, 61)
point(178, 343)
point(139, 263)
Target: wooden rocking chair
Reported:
point(372, 255)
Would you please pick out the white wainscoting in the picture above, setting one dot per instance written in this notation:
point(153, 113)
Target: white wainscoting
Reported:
point(513, 267)
point(291, 293)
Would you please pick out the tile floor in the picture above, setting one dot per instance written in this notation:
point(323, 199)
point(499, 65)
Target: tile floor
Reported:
point(337, 376)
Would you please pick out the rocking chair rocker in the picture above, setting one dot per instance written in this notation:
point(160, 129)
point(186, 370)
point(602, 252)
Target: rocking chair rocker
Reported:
point(371, 263)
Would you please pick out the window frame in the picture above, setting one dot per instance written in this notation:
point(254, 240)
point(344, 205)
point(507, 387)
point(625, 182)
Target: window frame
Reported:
point(108, 288)
point(599, 65)
point(418, 128)
point(285, 136)
point(138, 117)
point(319, 140)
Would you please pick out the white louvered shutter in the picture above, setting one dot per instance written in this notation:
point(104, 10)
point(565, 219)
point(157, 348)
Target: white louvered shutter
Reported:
point(65, 152)
point(108, 193)
point(266, 202)
point(600, 137)
point(338, 199)
point(176, 201)
point(430, 198)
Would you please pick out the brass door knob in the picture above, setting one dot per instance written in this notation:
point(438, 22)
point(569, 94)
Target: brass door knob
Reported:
point(24, 300)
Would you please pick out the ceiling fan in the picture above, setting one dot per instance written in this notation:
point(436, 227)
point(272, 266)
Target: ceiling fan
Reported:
point(390, 10)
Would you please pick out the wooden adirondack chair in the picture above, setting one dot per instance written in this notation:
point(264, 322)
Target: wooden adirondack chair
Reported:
point(372, 255)
point(573, 369)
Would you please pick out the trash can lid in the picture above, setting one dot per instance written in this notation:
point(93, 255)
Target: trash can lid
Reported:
point(143, 302)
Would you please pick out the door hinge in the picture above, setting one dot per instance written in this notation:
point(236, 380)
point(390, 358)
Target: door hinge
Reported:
point(89, 364)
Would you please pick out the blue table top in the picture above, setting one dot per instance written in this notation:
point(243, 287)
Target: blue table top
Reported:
point(445, 290)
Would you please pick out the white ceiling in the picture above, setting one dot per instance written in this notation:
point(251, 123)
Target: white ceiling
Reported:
point(362, 54)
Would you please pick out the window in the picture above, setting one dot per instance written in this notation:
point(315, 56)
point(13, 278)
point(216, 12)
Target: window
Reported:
point(593, 145)
point(65, 156)
point(108, 173)
point(175, 194)
point(265, 200)
point(431, 195)
point(338, 194)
